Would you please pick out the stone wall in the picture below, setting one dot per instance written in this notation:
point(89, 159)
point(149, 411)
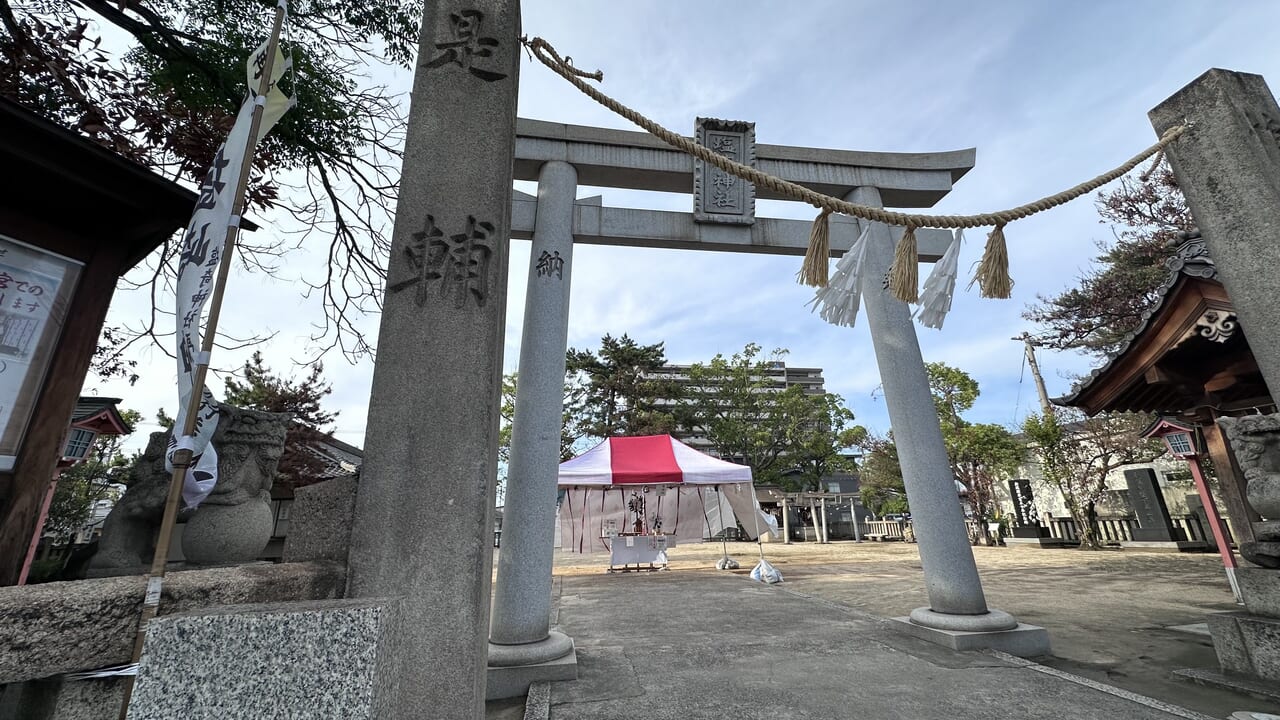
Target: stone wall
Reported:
point(63, 627)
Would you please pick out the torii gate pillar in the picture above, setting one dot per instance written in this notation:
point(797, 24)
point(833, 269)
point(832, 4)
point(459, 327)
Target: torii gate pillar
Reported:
point(957, 615)
point(522, 646)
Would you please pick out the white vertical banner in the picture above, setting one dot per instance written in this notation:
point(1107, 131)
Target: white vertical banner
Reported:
point(198, 269)
point(277, 103)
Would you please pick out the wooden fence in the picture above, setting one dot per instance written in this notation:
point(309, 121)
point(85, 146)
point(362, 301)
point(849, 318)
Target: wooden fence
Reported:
point(1112, 530)
point(1115, 530)
point(882, 529)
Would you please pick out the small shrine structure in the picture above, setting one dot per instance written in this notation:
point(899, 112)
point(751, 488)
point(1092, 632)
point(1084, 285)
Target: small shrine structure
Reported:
point(1188, 359)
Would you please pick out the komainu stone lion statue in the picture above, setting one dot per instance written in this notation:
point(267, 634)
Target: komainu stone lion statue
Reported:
point(1255, 439)
point(231, 526)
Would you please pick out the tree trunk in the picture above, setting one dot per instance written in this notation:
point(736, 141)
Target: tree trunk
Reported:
point(980, 510)
point(1086, 529)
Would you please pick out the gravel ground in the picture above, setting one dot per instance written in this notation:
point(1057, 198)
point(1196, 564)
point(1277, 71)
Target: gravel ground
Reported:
point(1108, 612)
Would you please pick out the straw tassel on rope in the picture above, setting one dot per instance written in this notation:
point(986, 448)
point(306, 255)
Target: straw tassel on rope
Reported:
point(814, 270)
point(993, 269)
point(904, 276)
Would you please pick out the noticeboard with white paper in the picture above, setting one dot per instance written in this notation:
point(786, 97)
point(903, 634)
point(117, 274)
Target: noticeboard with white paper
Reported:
point(35, 292)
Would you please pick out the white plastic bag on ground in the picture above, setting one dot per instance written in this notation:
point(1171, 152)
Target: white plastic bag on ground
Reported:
point(766, 573)
point(726, 563)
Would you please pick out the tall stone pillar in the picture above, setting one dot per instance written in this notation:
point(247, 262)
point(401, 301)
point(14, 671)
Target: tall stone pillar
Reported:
point(956, 601)
point(521, 646)
point(422, 534)
point(1228, 166)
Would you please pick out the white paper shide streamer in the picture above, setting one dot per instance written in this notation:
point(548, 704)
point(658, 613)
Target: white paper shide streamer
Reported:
point(935, 298)
point(198, 268)
point(838, 302)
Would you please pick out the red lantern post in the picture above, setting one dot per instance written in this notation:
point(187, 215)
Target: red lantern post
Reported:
point(1183, 441)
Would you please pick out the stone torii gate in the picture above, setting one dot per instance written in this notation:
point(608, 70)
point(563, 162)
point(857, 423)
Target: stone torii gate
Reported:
point(562, 157)
point(421, 535)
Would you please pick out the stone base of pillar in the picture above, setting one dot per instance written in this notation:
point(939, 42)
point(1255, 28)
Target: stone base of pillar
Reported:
point(523, 665)
point(1247, 645)
point(990, 621)
point(1260, 589)
point(1165, 546)
point(1234, 683)
point(554, 646)
point(328, 656)
point(996, 630)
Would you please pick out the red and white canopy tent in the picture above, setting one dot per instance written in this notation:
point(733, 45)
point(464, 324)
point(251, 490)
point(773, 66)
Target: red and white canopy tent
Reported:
point(654, 484)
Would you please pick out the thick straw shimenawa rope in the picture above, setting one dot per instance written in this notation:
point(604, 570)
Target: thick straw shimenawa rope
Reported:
point(992, 275)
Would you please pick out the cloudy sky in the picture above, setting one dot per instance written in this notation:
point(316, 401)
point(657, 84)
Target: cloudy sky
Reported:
point(1050, 93)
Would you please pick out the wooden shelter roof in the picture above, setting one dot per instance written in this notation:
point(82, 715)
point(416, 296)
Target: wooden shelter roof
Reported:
point(98, 192)
point(1187, 355)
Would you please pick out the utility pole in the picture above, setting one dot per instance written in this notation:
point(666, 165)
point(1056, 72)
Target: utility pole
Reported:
point(1045, 406)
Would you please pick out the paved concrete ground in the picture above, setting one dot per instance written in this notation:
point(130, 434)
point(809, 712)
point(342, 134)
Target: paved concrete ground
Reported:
point(694, 643)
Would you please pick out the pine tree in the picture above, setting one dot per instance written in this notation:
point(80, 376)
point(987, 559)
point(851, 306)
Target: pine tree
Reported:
point(614, 392)
point(262, 389)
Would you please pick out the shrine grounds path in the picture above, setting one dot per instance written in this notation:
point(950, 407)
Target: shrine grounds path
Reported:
point(694, 642)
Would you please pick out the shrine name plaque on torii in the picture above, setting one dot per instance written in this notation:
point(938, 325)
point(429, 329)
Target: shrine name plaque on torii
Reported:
point(561, 158)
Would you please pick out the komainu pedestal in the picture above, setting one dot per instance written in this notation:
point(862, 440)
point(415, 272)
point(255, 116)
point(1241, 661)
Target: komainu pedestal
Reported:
point(1248, 643)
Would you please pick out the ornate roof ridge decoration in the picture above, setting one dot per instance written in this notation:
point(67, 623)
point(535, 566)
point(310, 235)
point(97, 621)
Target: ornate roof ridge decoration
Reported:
point(1192, 259)
point(1215, 326)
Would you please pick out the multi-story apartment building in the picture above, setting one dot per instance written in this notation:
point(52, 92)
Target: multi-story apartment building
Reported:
point(777, 377)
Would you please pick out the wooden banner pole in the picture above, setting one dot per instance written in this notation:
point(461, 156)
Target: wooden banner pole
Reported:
point(182, 456)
